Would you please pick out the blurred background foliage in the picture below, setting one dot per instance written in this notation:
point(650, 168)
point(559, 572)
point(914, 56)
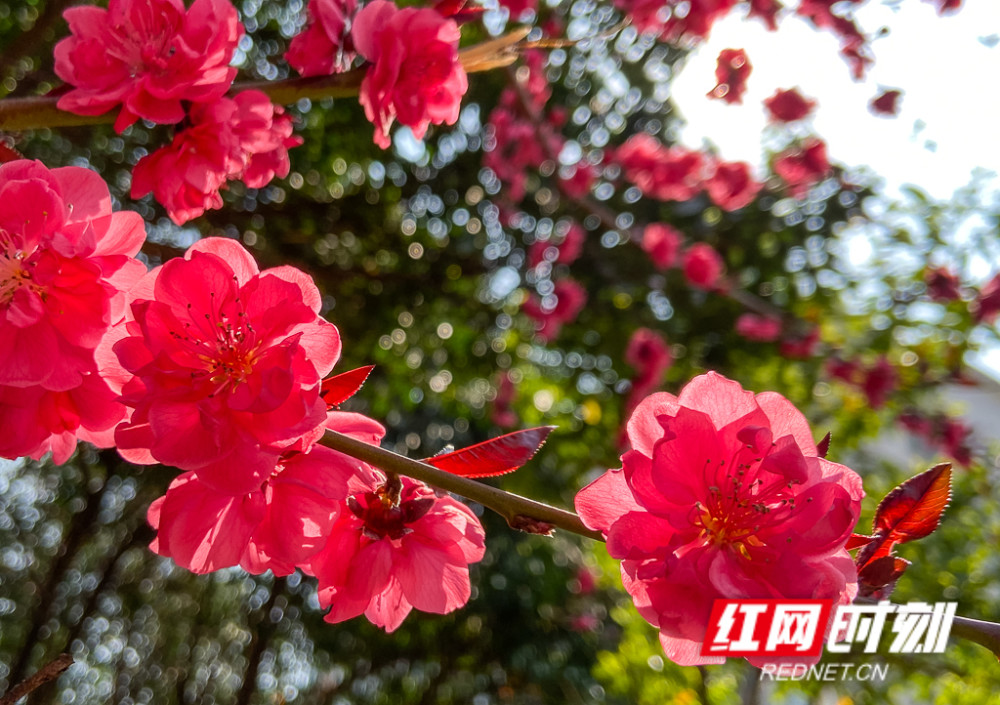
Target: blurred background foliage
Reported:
point(421, 257)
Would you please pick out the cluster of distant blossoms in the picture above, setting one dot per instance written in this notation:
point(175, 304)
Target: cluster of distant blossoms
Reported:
point(159, 61)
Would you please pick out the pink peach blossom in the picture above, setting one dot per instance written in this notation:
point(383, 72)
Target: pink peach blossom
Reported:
point(803, 166)
point(664, 173)
point(731, 74)
point(187, 175)
point(722, 496)
point(265, 134)
point(662, 243)
point(702, 266)
point(319, 49)
point(788, 105)
point(732, 186)
point(886, 102)
point(394, 549)
point(648, 353)
point(227, 362)
point(763, 329)
point(564, 251)
point(244, 138)
point(986, 305)
point(149, 56)
point(276, 526)
point(415, 76)
point(36, 420)
point(65, 261)
point(694, 22)
point(942, 284)
point(766, 10)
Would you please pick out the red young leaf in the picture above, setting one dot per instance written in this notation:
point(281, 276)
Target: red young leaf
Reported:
point(823, 447)
point(858, 540)
point(8, 153)
point(913, 510)
point(497, 456)
point(878, 578)
point(339, 388)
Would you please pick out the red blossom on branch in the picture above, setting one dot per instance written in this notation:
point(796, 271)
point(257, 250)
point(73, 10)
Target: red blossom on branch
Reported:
point(397, 546)
point(722, 496)
point(731, 185)
point(277, 526)
point(702, 266)
point(886, 102)
point(664, 173)
point(942, 284)
point(319, 49)
point(662, 242)
point(415, 76)
point(149, 56)
point(227, 362)
point(788, 105)
point(731, 75)
point(648, 353)
point(804, 166)
point(244, 138)
point(65, 263)
point(763, 329)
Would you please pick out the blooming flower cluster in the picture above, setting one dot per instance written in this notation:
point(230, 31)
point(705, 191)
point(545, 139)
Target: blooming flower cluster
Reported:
point(220, 366)
point(679, 174)
point(65, 262)
point(245, 138)
point(170, 65)
point(522, 135)
point(876, 381)
point(415, 77)
point(723, 496)
point(803, 166)
point(323, 46)
point(147, 56)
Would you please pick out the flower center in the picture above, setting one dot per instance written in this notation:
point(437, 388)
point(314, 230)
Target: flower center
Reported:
point(741, 504)
point(385, 513)
point(15, 270)
point(224, 340)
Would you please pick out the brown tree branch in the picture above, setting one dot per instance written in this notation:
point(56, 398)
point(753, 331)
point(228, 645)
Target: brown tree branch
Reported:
point(520, 512)
point(18, 114)
point(46, 673)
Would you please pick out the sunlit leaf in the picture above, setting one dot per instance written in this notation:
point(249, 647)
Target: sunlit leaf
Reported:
point(497, 456)
point(339, 388)
point(914, 509)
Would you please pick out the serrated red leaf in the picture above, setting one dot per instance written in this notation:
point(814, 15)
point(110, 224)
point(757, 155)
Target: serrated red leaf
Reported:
point(858, 540)
point(497, 456)
point(823, 447)
point(878, 578)
point(913, 510)
point(339, 388)
point(8, 153)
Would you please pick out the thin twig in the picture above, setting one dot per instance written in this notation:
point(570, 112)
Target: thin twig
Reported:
point(18, 114)
point(46, 673)
point(520, 512)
